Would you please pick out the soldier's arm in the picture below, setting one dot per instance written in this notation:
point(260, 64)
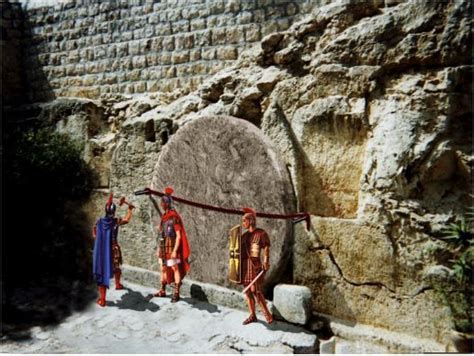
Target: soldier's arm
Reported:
point(94, 232)
point(266, 258)
point(126, 219)
point(266, 252)
point(177, 244)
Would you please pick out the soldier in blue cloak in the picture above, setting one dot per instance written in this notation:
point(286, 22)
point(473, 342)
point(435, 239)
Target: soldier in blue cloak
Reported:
point(107, 256)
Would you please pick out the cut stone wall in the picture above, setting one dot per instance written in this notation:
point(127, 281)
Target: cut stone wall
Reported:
point(90, 48)
point(12, 85)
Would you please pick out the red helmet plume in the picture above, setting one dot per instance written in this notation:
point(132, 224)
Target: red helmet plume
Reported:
point(249, 211)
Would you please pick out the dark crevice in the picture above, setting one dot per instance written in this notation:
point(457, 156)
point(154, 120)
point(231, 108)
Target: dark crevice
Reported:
point(357, 284)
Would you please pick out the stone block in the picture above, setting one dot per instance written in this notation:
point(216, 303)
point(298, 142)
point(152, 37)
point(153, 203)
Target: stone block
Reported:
point(174, 15)
point(219, 36)
point(152, 86)
point(252, 33)
point(170, 72)
point(139, 34)
point(199, 68)
point(139, 62)
point(165, 58)
point(127, 36)
point(197, 24)
point(156, 44)
point(217, 7)
point(274, 12)
point(168, 43)
point(154, 19)
point(180, 26)
point(195, 55)
point(140, 87)
point(226, 20)
point(133, 75)
point(232, 6)
point(184, 41)
point(244, 18)
point(227, 53)
point(202, 38)
point(152, 60)
point(190, 12)
point(292, 303)
point(163, 29)
point(208, 53)
point(180, 57)
point(235, 35)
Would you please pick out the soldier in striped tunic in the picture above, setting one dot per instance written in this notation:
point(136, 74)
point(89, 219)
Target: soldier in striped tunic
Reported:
point(254, 241)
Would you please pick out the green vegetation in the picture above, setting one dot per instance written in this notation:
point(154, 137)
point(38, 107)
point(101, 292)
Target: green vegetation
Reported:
point(45, 183)
point(458, 293)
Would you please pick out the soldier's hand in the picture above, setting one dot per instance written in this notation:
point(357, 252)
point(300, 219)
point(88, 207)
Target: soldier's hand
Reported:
point(266, 266)
point(173, 254)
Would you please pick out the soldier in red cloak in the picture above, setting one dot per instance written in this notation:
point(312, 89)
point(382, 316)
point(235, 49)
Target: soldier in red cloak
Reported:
point(173, 250)
point(254, 241)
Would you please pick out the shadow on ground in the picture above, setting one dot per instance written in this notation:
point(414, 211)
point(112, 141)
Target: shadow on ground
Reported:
point(44, 303)
point(135, 301)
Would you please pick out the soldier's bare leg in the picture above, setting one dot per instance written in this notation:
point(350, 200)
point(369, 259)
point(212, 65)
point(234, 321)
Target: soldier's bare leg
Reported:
point(117, 262)
point(164, 271)
point(177, 283)
point(249, 295)
point(263, 306)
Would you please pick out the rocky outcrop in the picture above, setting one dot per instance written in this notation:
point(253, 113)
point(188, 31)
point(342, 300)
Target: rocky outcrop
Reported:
point(369, 107)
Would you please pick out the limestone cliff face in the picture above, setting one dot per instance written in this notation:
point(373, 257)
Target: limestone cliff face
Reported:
point(369, 107)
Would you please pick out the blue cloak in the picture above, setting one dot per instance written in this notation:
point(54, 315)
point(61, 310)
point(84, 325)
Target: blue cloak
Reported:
point(102, 267)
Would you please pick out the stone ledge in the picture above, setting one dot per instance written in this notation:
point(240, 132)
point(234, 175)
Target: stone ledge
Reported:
point(393, 341)
point(210, 293)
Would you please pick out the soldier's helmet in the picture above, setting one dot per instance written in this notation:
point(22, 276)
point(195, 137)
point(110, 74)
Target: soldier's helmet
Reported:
point(167, 198)
point(110, 206)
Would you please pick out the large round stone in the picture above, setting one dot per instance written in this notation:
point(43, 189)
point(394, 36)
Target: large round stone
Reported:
point(227, 162)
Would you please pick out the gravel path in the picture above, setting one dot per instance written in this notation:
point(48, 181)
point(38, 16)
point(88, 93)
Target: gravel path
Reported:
point(134, 322)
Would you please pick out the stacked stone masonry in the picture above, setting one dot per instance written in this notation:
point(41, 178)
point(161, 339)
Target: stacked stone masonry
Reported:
point(10, 49)
point(90, 48)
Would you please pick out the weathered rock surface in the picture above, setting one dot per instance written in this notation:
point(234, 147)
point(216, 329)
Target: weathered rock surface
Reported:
point(369, 108)
point(292, 303)
point(226, 162)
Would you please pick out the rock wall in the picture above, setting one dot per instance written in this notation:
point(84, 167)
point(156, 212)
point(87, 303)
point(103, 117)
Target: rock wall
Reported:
point(370, 109)
point(368, 104)
point(91, 48)
point(12, 22)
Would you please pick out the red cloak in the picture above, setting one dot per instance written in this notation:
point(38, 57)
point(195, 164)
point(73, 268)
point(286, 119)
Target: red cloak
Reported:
point(183, 251)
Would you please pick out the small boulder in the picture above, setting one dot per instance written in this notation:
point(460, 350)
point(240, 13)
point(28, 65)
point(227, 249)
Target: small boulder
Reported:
point(328, 347)
point(292, 303)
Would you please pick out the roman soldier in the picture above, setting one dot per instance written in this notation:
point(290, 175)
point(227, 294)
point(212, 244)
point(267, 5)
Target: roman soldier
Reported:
point(254, 242)
point(107, 256)
point(173, 250)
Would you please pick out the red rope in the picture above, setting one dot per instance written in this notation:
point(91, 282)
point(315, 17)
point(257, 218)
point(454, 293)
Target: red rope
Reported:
point(297, 217)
